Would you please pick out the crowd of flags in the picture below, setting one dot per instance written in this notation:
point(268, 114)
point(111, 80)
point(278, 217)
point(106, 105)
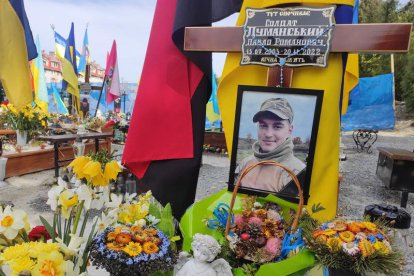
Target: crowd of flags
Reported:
point(22, 70)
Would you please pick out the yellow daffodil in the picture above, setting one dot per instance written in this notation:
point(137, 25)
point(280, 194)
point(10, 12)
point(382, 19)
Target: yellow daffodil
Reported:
point(38, 247)
point(78, 164)
point(67, 200)
point(49, 264)
point(111, 170)
point(21, 265)
point(11, 222)
point(16, 251)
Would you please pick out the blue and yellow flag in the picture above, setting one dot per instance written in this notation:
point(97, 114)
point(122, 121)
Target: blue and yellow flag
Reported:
point(16, 49)
point(60, 106)
point(351, 76)
point(85, 55)
point(60, 44)
point(212, 109)
point(38, 72)
point(69, 68)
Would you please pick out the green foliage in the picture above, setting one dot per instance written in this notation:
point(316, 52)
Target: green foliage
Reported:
point(390, 11)
point(154, 210)
point(317, 208)
point(164, 214)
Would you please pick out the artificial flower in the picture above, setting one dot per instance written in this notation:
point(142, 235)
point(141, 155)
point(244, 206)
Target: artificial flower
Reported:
point(340, 225)
point(347, 236)
point(366, 248)
point(273, 246)
point(334, 243)
point(361, 236)
point(150, 248)
point(329, 232)
point(114, 246)
point(350, 248)
point(261, 213)
point(255, 221)
point(372, 227)
point(381, 247)
point(39, 233)
point(67, 200)
point(133, 249)
point(11, 222)
point(49, 264)
point(150, 231)
point(123, 238)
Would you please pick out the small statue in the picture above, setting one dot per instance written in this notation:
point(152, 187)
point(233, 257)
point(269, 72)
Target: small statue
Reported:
point(205, 249)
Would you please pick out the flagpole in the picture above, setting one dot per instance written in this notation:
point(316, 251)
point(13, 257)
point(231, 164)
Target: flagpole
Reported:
point(100, 95)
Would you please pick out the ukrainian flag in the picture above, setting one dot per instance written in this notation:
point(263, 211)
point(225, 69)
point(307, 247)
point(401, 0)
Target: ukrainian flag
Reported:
point(16, 49)
point(85, 56)
point(60, 106)
point(69, 68)
point(60, 44)
point(38, 72)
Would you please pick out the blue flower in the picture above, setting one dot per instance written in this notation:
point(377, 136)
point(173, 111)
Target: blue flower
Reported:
point(380, 236)
point(371, 238)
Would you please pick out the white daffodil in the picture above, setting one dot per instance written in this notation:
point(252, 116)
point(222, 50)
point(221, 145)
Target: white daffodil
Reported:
point(72, 270)
point(116, 201)
point(152, 220)
point(100, 195)
point(129, 197)
point(11, 222)
point(54, 193)
point(84, 193)
point(67, 200)
point(104, 221)
point(73, 247)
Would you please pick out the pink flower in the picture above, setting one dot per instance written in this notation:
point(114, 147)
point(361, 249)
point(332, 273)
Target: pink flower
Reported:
point(238, 220)
point(255, 220)
point(273, 246)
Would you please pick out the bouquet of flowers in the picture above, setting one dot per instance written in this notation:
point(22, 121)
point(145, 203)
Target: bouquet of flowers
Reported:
point(133, 249)
point(94, 124)
point(27, 119)
point(359, 247)
point(258, 233)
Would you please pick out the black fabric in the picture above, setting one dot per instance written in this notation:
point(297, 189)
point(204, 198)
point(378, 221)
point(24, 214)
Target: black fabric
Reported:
point(175, 181)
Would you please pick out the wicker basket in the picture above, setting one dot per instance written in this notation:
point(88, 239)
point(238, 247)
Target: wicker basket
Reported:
point(291, 174)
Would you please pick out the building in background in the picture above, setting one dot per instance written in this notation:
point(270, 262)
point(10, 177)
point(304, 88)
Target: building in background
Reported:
point(53, 69)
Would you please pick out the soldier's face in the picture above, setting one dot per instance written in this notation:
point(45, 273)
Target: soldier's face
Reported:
point(272, 132)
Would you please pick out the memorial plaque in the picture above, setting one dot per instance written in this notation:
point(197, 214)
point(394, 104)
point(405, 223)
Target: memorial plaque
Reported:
point(295, 36)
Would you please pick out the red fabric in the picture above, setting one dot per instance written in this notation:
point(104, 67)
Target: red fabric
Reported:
point(161, 125)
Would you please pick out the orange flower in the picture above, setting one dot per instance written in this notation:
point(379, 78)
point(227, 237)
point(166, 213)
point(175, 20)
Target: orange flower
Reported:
point(340, 225)
point(354, 227)
point(366, 248)
point(135, 228)
point(150, 248)
point(123, 238)
point(140, 236)
point(261, 213)
point(347, 236)
point(114, 246)
point(317, 233)
point(111, 236)
point(321, 239)
point(150, 231)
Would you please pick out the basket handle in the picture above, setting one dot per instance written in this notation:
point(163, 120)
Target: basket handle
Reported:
point(267, 162)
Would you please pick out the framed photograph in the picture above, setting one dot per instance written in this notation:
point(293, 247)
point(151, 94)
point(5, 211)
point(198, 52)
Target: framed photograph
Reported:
point(278, 124)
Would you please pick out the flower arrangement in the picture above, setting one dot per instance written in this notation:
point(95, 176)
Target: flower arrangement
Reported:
point(28, 118)
point(130, 250)
point(359, 247)
point(258, 233)
point(37, 258)
point(94, 123)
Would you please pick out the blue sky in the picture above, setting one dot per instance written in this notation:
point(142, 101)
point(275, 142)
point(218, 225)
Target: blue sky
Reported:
point(126, 21)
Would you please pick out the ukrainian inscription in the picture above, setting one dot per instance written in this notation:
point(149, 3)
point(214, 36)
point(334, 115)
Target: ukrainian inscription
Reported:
point(296, 36)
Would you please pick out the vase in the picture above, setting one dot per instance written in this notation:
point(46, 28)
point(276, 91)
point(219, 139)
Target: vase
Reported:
point(21, 136)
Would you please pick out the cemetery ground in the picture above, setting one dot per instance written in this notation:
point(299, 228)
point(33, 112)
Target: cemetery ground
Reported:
point(360, 185)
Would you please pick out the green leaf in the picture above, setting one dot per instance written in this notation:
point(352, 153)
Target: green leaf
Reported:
point(48, 227)
point(154, 210)
point(166, 224)
point(317, 208)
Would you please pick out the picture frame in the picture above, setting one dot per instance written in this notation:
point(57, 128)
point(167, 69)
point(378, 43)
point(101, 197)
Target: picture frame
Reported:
point(279, 124)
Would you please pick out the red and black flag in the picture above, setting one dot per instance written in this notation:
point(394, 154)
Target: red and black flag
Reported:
point(165, 137)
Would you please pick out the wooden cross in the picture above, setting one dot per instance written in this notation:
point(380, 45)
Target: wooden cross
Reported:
point(351, 38)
